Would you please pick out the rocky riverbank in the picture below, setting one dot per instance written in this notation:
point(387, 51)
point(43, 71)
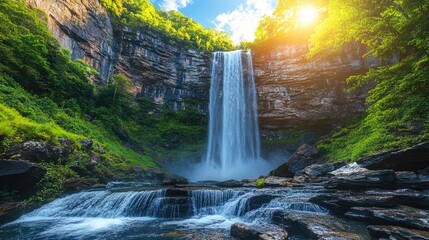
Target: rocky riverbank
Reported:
point(388, 193)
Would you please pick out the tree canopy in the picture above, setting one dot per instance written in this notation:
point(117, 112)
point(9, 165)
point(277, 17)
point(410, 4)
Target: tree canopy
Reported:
point(176, 27)
point(394, 30)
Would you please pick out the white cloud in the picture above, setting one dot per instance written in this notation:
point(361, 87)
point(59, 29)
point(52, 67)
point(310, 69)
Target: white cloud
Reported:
point(174, 4)
point(243, 21)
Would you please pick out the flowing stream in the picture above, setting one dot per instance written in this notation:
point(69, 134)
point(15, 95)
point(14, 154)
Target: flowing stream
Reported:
point(121, 212)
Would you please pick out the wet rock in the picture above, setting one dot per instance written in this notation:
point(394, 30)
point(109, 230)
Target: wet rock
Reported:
point(34, 152)
point(317, 170)
point(257, 201)
point(154, 174)
point(172, 207)
point(282, 171)
point(264, 232)
point(11, 211)
point(394, 232)
point(242, 231)
point(303, 157)
point(86, 144)
point(384, 179)
point(407, 179)
point(272, 181)
point(19, 175)
point(348, 169)
point(316, 226)
point(410, 159)
point(401, 216)
point(230, 184)
point(73, 184)
point(174, 179)
point(342, 202)
point(173, 192)
point(418, 199)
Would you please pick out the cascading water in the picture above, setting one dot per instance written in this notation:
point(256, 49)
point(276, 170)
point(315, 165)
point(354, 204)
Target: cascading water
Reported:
point(233, 141)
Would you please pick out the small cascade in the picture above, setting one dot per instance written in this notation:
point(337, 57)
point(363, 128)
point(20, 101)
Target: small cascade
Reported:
point(175, 204)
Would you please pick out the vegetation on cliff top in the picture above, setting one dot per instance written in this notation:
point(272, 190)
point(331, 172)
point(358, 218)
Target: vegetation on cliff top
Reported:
point(173, 25)
point(398, 111)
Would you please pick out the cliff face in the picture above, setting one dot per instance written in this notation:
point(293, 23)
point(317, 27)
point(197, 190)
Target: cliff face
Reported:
point(161, 71)
point(164, 72)
point(293, 92)
point(296, 93)
point(82, 26)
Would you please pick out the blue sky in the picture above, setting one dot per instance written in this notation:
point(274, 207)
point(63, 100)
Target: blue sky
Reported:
point(238, 17)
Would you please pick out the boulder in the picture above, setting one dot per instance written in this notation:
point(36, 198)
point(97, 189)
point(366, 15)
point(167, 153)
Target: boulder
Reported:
point(282, 171)
point(394, 232)
point(316, 226)
point(272, 181)
point(410, 159)
point(86, 144)
point(343, 202)
point(304, 156)
point(257, 201)
point(20, 175)
point(230, 184)
point(348, 169)
point(318, 170)
point(34, 152)
point(260, 232)
point(174, 179)
point(384, 179)
point(11, 211)
point(401, 216)
point(73, 184)
point(242, 231)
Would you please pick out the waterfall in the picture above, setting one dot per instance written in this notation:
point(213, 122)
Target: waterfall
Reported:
point(233, 140)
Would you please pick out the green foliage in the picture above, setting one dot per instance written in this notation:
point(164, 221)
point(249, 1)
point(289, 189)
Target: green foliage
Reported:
point(173, 25)
point(32, 57)
point(51, 185)
point(398, 113)
point(260, 183)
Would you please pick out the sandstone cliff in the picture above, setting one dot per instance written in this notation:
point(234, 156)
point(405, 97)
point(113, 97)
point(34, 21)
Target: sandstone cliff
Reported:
point(293, 92)
point(298, 93)
point(82, 26)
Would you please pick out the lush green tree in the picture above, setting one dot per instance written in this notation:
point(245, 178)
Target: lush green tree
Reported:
point(173, 25)
point(394, 31)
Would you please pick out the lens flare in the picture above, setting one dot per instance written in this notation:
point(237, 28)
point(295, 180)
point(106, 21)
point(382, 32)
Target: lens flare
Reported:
point(307, 15)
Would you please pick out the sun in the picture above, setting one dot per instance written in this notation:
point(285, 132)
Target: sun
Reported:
point(307, 15)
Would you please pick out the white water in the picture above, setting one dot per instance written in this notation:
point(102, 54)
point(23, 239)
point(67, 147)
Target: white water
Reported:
point(233, 150)
point(154, 214)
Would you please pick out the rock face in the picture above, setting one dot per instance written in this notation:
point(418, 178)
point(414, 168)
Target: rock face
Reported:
point(304, 156)
point(261, 232)
point(20, 175)
point(384, 179)
point(84, 27)
point(316, 226)
point(410, 159)
point(295, 92)
point(165, 72)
